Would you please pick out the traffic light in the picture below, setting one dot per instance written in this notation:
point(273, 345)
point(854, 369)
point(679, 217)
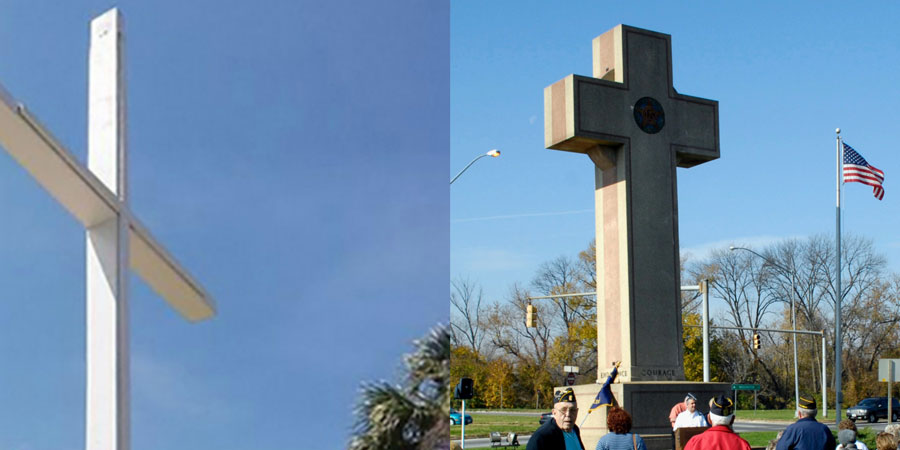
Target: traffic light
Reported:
point(530, 316)
point(756, 341)
point(465, 389)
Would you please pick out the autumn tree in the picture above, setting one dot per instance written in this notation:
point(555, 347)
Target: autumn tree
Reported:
point(750, 292)
point(692, 334)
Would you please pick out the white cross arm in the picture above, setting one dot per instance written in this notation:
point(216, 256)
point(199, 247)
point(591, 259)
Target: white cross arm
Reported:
point(54, 168)
point(160, 270)
point(92, 203)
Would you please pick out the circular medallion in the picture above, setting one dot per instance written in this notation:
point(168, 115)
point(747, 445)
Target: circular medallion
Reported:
point(649, 115)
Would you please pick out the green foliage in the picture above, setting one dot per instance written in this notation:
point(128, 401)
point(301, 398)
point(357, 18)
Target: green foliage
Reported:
point(521, 383)
point(467, 363)
point(498, 384)
point(411, 415)
point(865, 435)
point(693, 350)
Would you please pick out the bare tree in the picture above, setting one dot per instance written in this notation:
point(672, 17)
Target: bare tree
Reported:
point(740, 280)
point(757, 292)
point(565, 276)
point(465, 300)
point(690, 300)
point(505, 326)
point(587, 261)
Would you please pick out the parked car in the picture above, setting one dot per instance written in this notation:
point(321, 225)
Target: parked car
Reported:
point(874, 408)
point(545, 417)
point(456, 417)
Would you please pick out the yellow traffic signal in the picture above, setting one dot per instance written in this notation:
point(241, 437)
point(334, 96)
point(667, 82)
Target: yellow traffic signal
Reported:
point(756, 341)
point(530, 316)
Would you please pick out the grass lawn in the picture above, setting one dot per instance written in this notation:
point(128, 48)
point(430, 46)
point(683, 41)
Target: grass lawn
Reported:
point(758, 438)
point(767, 414)
point(476, 411)
point(483, 424)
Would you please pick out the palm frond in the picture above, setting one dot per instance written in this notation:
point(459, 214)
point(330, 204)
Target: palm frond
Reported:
point(413, 415)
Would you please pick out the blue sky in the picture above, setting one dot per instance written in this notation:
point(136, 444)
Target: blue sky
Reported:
point(786, 74)
point(291, 155)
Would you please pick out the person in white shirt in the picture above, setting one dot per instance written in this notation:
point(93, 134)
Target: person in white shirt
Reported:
point(690, 417)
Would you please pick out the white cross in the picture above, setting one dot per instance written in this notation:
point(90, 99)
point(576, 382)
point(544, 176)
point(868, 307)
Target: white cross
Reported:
point(116, 240)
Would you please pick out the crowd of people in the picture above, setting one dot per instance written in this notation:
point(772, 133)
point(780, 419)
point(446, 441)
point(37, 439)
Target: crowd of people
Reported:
point(806, 433)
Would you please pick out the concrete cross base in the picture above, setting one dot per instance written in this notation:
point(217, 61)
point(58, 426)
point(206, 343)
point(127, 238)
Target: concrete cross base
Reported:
point(648, 402)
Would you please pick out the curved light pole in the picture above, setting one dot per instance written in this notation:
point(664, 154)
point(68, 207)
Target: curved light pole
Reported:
point(493, 154)
point(793, 322)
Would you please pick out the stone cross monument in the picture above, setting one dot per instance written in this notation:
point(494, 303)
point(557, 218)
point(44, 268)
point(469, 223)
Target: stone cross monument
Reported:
point(116, 240)
point(637, 129)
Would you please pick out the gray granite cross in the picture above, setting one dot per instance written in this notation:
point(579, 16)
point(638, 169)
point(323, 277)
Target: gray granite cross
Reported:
point(636, 129)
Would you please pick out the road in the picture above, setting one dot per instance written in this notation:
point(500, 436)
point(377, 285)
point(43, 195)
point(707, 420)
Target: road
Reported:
point(739, 426)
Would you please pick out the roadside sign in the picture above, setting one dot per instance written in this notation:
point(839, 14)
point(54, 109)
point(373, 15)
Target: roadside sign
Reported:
point(884, 369)
point(745, 387)
point(570, 369)
point(570, 379)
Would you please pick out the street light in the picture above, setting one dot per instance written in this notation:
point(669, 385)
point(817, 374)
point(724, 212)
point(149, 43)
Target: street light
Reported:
point(793, 321)
point(493, 154)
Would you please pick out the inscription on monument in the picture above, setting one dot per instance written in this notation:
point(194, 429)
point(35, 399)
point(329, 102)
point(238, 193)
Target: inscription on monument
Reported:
point(658, 373)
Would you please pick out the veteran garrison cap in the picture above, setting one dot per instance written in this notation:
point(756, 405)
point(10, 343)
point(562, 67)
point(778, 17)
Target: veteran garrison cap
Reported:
point(566, 395)
point(721, 406)
point(807, 401)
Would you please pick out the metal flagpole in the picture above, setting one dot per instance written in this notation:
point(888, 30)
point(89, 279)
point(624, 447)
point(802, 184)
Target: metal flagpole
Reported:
point(704, 289)
point(838, 398)
point(824, 396)
point(794, 338)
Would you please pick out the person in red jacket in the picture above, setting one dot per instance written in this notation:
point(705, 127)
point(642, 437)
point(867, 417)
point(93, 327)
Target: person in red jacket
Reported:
point(720, 436)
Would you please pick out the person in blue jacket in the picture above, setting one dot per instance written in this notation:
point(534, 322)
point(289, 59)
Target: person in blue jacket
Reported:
point(806, 433)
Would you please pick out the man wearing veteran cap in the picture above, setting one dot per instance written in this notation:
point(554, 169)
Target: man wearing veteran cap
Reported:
point(806, 433)
point(561, 433)
point(720, 436)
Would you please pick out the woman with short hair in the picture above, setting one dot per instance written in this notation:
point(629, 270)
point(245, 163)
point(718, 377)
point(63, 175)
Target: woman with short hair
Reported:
point(620, 437)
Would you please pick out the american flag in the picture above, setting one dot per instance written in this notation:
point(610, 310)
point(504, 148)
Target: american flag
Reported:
point(857, 169)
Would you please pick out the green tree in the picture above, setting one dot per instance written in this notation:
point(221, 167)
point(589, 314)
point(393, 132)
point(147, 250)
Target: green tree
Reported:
point(469, 363)
point(693, 350)
point(411, 415)
point(497, 388)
